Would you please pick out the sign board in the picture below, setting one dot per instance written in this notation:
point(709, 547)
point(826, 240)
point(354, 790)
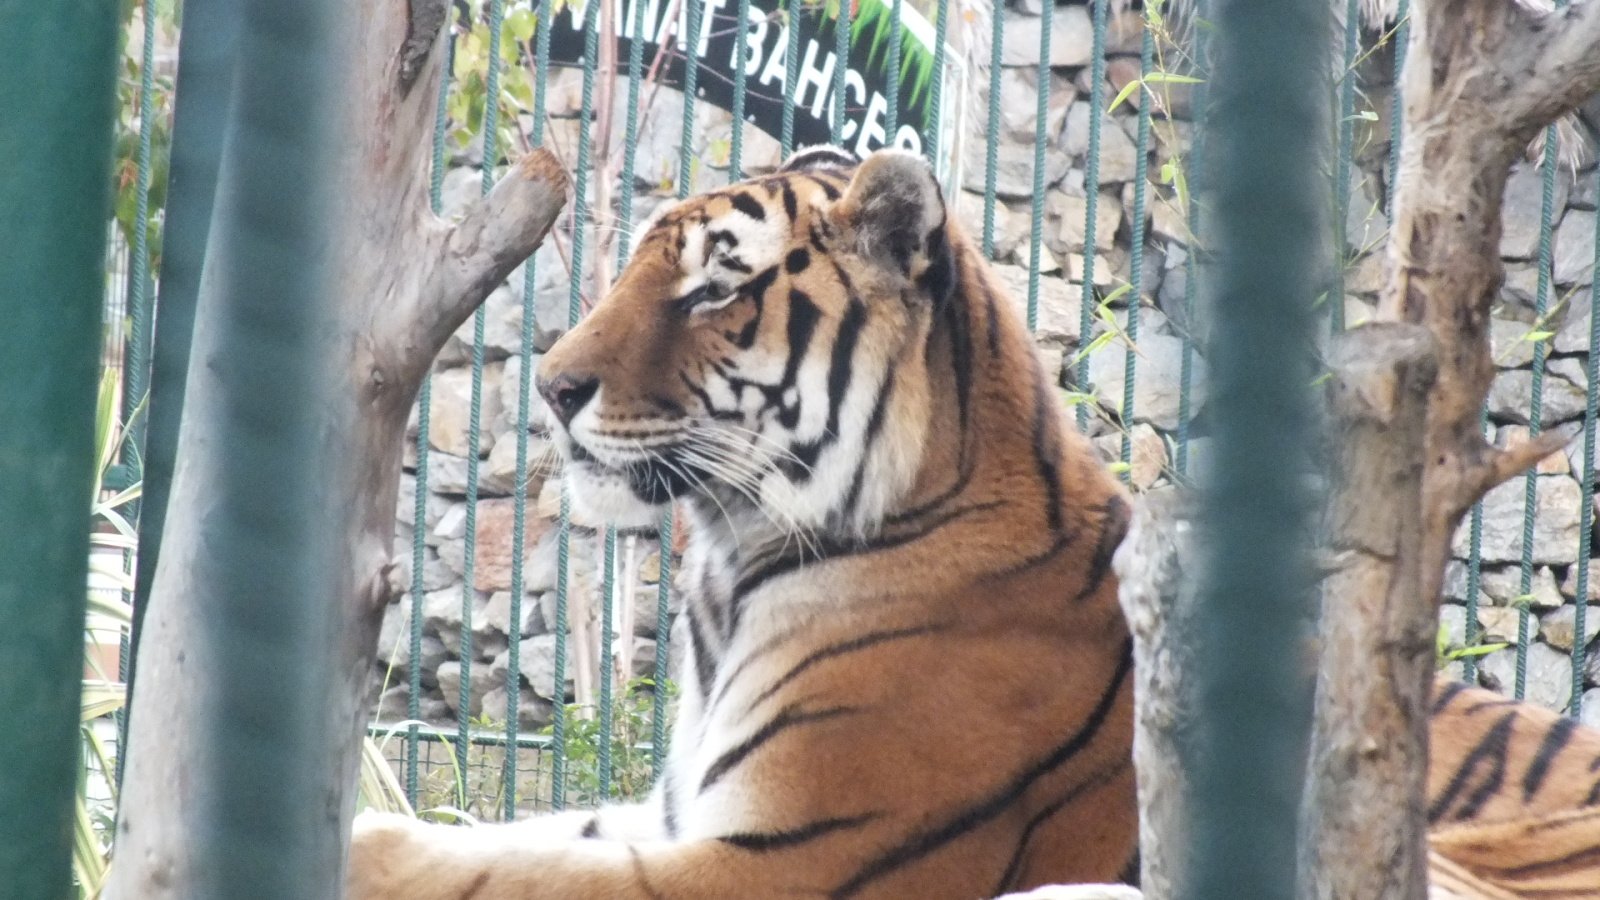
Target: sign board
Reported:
point(867, 89)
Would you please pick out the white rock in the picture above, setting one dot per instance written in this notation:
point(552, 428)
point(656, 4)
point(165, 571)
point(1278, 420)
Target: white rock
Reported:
point(1158, 361)
point(1071, 38)
point(1555, 527)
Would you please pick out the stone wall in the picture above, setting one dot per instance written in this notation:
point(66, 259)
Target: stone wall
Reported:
point(1152, 428)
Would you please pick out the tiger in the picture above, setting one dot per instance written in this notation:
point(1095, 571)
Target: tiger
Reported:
point(907, 673)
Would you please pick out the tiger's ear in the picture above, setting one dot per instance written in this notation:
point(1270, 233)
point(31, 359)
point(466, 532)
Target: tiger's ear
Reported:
point(894, 213)
point(820, 156)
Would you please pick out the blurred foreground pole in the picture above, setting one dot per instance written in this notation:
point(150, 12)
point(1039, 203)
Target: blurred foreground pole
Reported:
point(1266, 135)
point(57, 80)
point(265, 827)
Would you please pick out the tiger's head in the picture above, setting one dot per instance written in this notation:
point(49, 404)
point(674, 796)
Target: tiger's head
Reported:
point(763, 351)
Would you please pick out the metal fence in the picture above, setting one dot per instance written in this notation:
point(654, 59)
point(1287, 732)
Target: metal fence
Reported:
point(1116, 91)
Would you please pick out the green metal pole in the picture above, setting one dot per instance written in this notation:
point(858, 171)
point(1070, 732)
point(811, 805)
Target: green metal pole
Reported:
point(57, 80)
point(206, 47)
point(266, 827)
point(1266, 137)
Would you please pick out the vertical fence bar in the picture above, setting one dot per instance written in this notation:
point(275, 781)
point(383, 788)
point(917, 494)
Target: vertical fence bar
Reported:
point(1136, 255)
point(1191, 261)
point(270, 531)
point(891, 116)
point(1530, 481)
point(841, 55)
point(206, 46)
point(419, 509)
point(1342, 164)
point(933, 141)
point(991, 156)
point(624, 245)
point(469, 592)
point(608, 583)
point(58, 87)
point(1402, 36)
point(791, 72)
point(1469, 665)
point(1580, 611)
point(1091, 196)
point(741, 55)
point(1041, 112)
point(136, 364)
point(580, 225)
point(695, 13)
point(541, 67)
point(1266, 130)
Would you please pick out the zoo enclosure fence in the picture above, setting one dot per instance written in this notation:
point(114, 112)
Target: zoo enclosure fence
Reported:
point(1116, 90)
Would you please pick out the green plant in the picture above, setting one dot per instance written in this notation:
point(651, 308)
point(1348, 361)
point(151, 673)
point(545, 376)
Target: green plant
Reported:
point(632, 756)
point(1446, 653)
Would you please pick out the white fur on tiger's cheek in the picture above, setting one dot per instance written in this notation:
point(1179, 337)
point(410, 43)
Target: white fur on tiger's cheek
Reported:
point(599, 497)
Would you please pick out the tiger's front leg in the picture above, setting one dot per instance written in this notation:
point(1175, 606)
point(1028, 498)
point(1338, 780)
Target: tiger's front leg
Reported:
point(396, 857)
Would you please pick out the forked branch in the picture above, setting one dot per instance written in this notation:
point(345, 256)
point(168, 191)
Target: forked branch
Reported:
point(465, 261)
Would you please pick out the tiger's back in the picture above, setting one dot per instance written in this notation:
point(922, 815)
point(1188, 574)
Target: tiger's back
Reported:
point(1513, 798)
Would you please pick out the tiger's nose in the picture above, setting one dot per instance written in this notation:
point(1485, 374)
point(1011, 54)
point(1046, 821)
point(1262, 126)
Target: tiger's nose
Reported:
point(567, 395)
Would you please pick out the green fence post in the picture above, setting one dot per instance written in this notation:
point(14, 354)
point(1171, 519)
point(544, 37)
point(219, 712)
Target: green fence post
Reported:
point(266, 828)
point(206, 46)
point(57, 83)
point(1265, 135)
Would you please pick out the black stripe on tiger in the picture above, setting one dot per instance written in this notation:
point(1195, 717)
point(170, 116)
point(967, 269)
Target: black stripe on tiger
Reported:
point(790, 716)
point(749, 205)
point(803, 317)
point(1008, 880)
point(669, 803)
point(987, 809)
point(838, 548)
point(960, 360)
point(755, 290)
point(1447, 696)
point(643, 876)
point(805, 454)
point(1555, 740)
point(832, 651)
point(705, 665)
point(791, 203)
point(478, 884)
point(762, 841)
point(1578, 859)
point(991, 312)
point(1047, 449)
point(938, 280)
point(1492, 749)
point(880, 407)
point(1113, 528)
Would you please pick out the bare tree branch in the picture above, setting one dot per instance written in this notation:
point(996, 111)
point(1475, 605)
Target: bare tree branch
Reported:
point(472, 257)
point(1560, 68)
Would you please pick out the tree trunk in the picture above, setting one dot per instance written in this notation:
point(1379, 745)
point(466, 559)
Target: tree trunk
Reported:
point(403, 282)
point(1157, 578)
point(1482, 78)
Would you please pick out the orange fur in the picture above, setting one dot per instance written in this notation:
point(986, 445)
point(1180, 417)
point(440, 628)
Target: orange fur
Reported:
point(1513, 797)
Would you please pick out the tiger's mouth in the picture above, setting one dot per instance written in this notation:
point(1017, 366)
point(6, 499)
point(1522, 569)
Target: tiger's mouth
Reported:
point(627, 493)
